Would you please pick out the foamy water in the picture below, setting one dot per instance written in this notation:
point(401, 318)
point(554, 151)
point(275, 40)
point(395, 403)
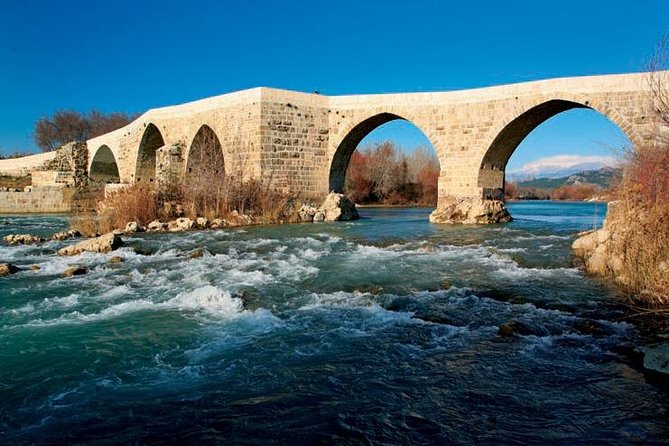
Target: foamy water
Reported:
point(384, 330)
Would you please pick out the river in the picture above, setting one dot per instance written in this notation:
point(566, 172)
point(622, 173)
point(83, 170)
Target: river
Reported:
point(378, 331)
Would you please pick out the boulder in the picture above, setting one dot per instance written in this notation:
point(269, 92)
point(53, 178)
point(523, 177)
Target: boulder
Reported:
point(585, 244)
point(307, 213)
point(104, 243)
point(133, 227)
point(218, 223)
point(597, 262)
point(238, 219)
point(656, 358)
point(75, 271)
point(202, 222)
point(180, 224)
point(337, 207)
point(156, 226)
point(468, 210)
point(22, 239)
point(7, 268)
point(64, 235)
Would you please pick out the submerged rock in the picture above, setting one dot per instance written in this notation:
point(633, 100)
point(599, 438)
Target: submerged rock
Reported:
point(590, 327)
point(515, 328)
point(7, 268)
point(116, 259)
point(196, 253)
point(656, 358)
point(75, 271)
point(23, 239)
point(102, 244)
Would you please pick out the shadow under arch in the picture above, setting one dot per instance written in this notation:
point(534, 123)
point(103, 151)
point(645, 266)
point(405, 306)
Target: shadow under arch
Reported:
point(345, 149)
point(492, 170)
point(152, 140)
point(104, 168)
point(205, 155)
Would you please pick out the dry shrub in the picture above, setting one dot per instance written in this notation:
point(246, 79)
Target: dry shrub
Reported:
point(134, 203)
point(644, 251)
point(144, 203)
point(251, 197)
point(138, 203)
point(642, 227)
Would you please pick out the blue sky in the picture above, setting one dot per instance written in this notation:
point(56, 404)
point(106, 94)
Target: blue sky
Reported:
point(134, 55)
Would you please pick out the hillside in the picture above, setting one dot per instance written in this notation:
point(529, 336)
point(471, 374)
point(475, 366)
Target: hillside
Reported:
point(600, 177)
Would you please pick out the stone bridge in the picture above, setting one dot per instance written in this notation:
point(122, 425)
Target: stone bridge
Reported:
point(303, 142)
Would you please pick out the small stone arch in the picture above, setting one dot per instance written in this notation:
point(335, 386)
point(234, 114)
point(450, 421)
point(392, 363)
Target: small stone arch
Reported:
point(205, 155)
point(152, 140)
point(104, 168)
point(492, 169)
point(353, 135)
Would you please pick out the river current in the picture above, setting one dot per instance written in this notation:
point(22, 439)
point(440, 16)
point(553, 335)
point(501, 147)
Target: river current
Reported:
point(380, 331)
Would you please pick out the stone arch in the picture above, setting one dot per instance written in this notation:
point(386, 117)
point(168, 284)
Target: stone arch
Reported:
point(205, 156)
point(492, 168)
point(152, 140)
point(353, 135)
point(104, 168)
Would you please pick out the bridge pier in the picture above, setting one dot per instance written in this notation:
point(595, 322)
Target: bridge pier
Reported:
point(470, 210)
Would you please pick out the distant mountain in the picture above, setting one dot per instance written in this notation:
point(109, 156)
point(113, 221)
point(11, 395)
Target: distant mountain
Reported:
point(601, 177)
point(559, 167)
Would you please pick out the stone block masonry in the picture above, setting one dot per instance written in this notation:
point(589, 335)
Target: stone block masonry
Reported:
point(40, 200)
point(302, 142)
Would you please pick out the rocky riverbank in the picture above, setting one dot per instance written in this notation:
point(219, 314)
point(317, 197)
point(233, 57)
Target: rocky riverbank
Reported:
point(629, 249)
point(336, 207)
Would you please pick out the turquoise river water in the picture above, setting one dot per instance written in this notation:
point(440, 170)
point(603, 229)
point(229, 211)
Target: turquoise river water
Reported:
point(378, 331)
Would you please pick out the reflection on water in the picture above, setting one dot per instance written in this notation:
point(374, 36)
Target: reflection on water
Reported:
point(383, 330)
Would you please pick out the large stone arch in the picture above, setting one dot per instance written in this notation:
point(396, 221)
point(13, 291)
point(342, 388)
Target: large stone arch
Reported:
point(104, 168)
point(205, 156)
point(145, 168)
point(507, 139)
point(354, 133)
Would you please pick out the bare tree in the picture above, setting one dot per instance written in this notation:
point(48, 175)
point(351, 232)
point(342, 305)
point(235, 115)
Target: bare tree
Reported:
point(67, 126)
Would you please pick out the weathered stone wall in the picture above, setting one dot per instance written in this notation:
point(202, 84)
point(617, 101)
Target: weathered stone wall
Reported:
point(71, 164)
point(294, 129)
point(24, 165)
point(234, 118)
point(42, 199)
point(302, 142)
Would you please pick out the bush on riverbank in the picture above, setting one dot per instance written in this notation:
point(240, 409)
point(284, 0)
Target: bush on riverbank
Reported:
point(144, 203)
point(641, 228)
point(383, 174)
